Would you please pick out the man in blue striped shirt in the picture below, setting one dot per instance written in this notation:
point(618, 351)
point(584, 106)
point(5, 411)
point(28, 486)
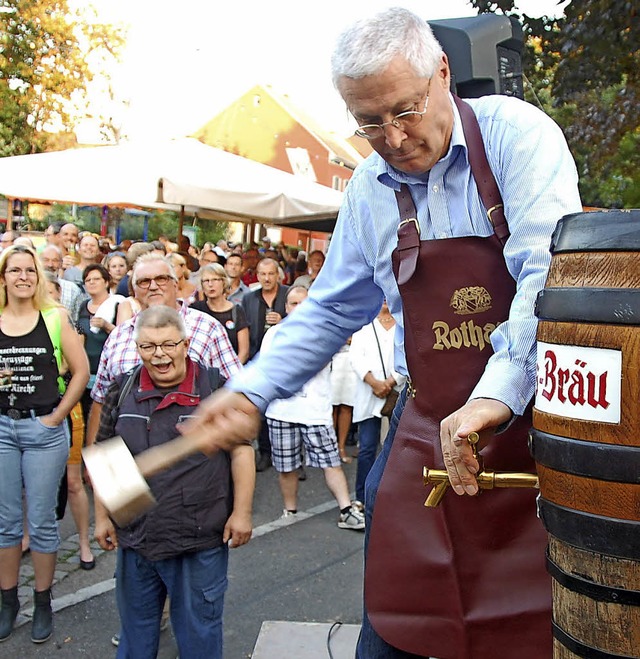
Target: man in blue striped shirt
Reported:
point(395, 81)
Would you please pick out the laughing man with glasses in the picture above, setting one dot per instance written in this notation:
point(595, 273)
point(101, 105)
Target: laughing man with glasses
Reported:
point(180, 548)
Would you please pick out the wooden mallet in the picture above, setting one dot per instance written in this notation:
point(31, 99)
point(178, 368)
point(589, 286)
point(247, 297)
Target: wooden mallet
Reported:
point(118, 478)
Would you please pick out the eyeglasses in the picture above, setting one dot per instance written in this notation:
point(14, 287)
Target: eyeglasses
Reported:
point(17, 272)
point(401, 121)
point(210, 281)
point(94, 280)
point(161, 281)
point(168, 347)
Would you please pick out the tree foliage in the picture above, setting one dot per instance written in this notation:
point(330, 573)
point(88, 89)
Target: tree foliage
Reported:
point(45, 61)
point(584, 69)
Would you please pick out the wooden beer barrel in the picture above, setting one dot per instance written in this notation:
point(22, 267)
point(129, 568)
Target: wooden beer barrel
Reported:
point(586, 432)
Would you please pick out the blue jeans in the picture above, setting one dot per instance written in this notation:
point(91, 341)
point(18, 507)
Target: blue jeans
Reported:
point(370, 645)
point(33, 456)
point(368, 440)
point(196, 583)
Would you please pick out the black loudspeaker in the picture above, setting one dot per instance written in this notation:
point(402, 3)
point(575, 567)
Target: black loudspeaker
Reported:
point(485, 54)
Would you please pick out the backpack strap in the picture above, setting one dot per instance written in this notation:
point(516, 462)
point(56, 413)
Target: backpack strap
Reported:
point(215, 379)
point(125, 388)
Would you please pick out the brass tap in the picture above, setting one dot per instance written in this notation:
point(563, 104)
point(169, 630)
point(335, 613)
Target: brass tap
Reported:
point(486, 478)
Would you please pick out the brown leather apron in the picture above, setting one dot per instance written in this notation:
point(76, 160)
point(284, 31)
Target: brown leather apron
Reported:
point(465, 580)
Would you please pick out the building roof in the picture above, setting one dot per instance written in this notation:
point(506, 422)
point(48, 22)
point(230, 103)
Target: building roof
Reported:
point(343, 152)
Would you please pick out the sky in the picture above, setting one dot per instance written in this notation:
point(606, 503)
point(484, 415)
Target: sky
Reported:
point(185, 61)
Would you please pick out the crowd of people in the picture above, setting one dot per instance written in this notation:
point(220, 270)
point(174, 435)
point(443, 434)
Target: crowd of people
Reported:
point(220, 305)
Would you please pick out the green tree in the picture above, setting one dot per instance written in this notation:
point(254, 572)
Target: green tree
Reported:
point(45, 55)
point(584, 68)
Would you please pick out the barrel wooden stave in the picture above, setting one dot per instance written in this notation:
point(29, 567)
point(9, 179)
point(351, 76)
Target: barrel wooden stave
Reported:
point(606, 626)
point(595, 269)
point(590, 495)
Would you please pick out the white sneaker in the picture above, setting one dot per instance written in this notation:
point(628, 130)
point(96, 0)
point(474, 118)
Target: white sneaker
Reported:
point(287, 513)
point(353, 519)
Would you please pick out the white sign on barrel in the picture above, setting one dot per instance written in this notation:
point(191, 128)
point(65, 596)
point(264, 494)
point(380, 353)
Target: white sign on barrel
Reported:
point(579, 382)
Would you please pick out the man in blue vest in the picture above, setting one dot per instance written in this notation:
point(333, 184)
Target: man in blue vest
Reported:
point(180, 547)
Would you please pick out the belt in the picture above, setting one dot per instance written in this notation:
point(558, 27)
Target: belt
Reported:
point(15, 414)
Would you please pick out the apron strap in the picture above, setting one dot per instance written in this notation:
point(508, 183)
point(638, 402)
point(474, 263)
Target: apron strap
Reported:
point(485, 181)
point(408, 235)
point(409, 228)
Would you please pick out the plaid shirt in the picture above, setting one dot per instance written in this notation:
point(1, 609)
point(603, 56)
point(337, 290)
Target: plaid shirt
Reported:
point(208, 344)
point(71, 297)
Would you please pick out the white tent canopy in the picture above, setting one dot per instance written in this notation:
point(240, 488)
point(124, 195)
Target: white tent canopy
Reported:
point(176, 173)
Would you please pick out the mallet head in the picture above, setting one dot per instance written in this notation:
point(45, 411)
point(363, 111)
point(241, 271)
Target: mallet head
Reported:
point(117, 481)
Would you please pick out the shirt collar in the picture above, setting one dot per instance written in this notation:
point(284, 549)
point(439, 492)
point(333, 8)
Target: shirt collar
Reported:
point(187, 386)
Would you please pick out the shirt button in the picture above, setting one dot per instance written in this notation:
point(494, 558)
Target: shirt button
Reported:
point(435, 188)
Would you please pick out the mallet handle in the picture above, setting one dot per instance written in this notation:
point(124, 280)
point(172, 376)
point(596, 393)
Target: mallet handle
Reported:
point(158, 458)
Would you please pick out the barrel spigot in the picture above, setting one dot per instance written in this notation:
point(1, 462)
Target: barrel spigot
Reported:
point(486, 478)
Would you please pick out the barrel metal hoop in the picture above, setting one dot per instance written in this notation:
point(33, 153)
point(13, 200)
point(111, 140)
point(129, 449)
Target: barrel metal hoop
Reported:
point(600, 231)
point(613, 306)
point(604, 535)
point(591, 589)
point(580, 649)
point(607, 462)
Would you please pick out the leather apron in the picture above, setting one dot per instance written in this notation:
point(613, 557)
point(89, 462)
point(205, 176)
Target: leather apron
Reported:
point(465, 580)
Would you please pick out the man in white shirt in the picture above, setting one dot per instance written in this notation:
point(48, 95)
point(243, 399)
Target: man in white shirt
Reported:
point(306, 420)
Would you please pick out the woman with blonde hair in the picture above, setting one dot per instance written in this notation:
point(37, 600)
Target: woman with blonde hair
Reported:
point(215, 284)
point(186, 290)
point(35, 335)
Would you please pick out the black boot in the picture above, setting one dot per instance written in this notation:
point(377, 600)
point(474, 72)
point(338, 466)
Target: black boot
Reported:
point(42, 625)
point(8, 612)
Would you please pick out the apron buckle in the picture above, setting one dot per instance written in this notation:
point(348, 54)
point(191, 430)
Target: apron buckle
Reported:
point(492, 210)
point(412, 219)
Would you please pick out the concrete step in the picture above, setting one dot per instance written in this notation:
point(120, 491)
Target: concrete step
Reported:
point(284, 640)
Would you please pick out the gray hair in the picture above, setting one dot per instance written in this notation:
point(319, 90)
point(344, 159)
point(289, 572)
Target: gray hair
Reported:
point(369, 45)
point(295, 287)
point(50, 247)
point(150, 258)
point(157, 317)
point(24, 240)
point(52, 278)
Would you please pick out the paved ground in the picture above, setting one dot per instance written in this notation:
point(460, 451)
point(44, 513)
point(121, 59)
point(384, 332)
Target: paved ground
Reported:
point(308, 571)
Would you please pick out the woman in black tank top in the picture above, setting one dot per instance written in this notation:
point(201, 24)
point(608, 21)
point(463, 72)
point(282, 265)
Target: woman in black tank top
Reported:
point(35, 336)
